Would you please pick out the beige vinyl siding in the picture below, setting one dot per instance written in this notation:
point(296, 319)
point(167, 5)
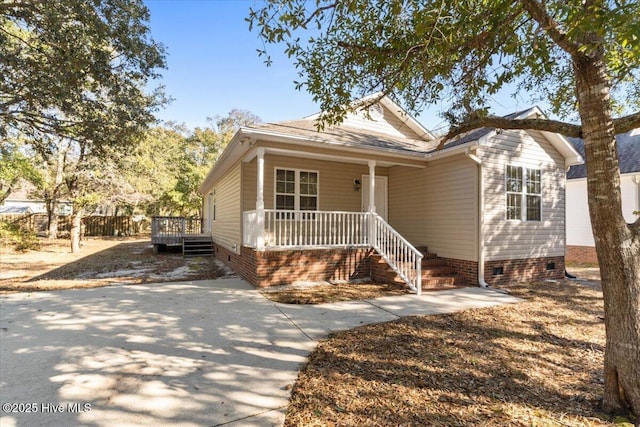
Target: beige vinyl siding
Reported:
point(451, 211)
point(336, 188)
point(408, 202)
point(437, 206)
point(505, 239)
point(249, 185)
point(389, 124)
point(226, 229)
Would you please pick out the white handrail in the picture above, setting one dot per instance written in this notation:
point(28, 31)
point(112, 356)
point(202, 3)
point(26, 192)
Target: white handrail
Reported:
point(401, 255)
point(308, 229)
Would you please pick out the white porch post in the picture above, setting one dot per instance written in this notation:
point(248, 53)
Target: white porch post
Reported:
point(372, 201)
point(372, 185)
point(260, 201)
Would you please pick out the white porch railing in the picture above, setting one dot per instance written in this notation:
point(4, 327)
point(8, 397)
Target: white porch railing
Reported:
point(401, 255)
point(292, 229)
point(281, 229)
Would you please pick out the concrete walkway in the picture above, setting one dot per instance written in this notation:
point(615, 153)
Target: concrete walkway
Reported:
point(203, 353)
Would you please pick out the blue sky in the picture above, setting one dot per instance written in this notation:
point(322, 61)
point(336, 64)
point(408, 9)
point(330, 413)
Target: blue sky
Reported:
point(214, 67)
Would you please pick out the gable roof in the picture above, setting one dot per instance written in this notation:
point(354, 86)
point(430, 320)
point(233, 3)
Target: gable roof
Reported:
point(395, 109)
point(388, 137)
point(559, 142)
point(628, 154)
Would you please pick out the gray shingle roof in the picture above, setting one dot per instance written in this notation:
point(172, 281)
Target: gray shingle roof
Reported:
point(628, 154)
point(348, 136)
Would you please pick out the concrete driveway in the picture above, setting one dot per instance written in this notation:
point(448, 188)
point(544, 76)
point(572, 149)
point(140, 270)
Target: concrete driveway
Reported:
point(203, 353)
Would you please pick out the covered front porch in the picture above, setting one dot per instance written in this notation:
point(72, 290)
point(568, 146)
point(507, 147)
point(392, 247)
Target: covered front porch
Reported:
point(294, 221)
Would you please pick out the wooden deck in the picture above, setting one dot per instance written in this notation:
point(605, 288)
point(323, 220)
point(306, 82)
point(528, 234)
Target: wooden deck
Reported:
point(171, 230)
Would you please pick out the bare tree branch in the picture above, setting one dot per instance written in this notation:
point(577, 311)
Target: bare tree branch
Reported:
point(621, 125)
point(317, 12)
point(550, 26)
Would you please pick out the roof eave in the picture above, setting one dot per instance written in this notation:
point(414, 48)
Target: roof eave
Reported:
point(325, 143)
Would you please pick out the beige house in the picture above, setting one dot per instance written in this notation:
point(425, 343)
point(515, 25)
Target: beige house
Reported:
point(374, 198)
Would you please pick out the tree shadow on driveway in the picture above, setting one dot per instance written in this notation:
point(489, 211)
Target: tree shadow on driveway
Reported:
point(190, 353)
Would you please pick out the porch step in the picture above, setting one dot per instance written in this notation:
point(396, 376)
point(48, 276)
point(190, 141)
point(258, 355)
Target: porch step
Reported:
point(437, 271)
point(439, 283)
point(432, 262)
point(436, 274)
point(424, 250)
point(197, 246)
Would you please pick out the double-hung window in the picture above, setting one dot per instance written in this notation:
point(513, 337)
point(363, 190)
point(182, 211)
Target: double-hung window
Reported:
point(296, 190)
point(524, 193)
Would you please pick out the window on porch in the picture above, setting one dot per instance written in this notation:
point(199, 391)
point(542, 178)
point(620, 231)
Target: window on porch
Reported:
point(296, 190)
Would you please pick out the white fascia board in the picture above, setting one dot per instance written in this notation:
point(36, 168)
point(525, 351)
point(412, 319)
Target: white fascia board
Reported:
point(329, 157)
point(462, 148)
point(323, 143)
point(571, 155)
point(459, 149)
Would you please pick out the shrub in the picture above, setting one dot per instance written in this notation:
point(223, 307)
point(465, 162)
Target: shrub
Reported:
point(22, 239)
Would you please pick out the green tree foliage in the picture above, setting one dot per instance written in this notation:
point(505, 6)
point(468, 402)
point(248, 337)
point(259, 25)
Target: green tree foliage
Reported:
point(451, 52)
point(78, 69)
point(14, 166)
point(22, 239)
point(172, 161)
point(581, 56)
point(78, 72)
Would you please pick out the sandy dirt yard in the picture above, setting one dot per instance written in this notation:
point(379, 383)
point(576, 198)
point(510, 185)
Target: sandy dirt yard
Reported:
point(100, 262)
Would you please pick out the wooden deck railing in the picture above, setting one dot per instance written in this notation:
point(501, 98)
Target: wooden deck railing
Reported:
point(170, 230)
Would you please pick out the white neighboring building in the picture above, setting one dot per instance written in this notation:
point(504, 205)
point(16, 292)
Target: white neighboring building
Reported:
point(580, 243)
point(21, 202)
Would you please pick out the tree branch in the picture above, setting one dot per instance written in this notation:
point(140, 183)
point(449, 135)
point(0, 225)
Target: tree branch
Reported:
point(550, 26)
point(627, 123)
point(621, 125)
point(566, 129)
point(317, 12)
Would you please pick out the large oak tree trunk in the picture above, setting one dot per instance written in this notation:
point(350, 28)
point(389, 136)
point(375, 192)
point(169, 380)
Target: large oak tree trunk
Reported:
point(617, 243)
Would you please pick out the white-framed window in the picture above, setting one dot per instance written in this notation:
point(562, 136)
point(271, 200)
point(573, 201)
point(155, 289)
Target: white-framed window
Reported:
point(296, 189)
point(523, 193)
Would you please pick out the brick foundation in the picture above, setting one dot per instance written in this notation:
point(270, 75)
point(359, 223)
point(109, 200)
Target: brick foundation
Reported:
point(270, 268)
point(519, 270)
point(581, 254)
point(465, 270)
